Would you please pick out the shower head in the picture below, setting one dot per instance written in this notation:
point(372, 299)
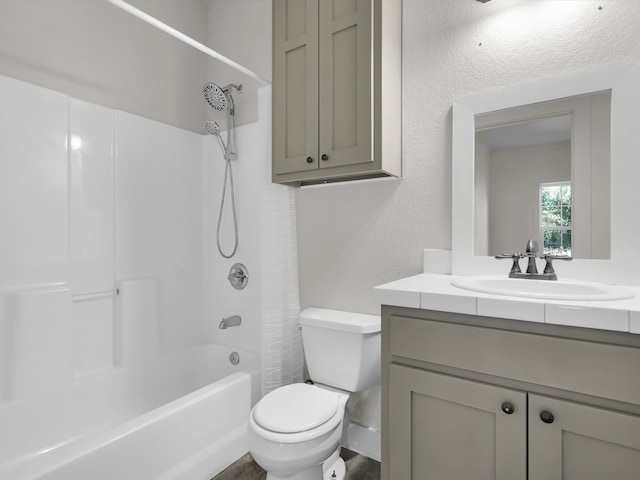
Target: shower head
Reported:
point(215, 96)
point(220, 97)
point(213, 128)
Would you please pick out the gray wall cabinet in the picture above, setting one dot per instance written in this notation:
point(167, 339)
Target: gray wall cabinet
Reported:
point(337, 90)
point(483, 398)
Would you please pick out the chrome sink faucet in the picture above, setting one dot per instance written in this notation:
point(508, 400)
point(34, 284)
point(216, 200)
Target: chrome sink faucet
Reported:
point(531, 252)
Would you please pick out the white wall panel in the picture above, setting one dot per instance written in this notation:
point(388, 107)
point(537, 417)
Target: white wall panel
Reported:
point(33, 185)
point(91, 197)
point(159, 220)
point(93, 337)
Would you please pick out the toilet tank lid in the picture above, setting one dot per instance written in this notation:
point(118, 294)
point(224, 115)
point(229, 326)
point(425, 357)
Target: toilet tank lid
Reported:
point(340, 320)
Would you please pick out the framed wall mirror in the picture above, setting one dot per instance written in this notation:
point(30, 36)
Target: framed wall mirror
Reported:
point(543, 171)
point(551, 160)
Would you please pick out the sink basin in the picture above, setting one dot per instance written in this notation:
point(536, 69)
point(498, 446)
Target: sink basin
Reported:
point(544, 289)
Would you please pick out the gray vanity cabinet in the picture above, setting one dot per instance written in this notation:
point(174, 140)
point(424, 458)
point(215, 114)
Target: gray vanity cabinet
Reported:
point(443, 427)
point(337, 99)
point(582, 443)
point(468, 397)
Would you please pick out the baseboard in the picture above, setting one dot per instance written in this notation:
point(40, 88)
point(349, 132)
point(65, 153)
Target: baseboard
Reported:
point(364, 441)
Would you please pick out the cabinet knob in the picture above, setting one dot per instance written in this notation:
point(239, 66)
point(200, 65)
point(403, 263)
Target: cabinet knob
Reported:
point(547, 417)
point(508, 408)
point(325, 156)
point(309, 160)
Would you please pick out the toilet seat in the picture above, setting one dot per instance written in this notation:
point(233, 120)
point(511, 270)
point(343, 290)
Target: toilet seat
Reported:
point(295, 408)
point(297, 413)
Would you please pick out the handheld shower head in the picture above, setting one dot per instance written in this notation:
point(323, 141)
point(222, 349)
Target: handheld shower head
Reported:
point(214, 129)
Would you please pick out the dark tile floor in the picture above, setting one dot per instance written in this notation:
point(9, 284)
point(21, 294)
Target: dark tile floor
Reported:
point(358, 468)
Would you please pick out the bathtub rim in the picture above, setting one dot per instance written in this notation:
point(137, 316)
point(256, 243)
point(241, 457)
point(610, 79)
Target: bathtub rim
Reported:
point(38, 464)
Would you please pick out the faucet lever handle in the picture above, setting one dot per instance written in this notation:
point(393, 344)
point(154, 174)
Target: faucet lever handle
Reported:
point(515, 268)
point(548, 268)
point(556, 257)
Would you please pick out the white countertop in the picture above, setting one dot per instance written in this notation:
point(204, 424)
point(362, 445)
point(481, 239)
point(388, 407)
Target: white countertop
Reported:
point(435, 292)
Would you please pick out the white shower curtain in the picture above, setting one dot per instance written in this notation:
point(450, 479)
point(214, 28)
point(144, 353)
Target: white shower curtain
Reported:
point(282, 355)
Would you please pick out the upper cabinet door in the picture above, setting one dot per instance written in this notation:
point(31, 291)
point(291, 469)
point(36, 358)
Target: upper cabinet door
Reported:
point(295, 85)
point(345, 82)
point(337, 90)
point(571, 441)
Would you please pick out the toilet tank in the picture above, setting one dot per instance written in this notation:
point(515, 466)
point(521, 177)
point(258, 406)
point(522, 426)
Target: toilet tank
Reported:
point(342, 349)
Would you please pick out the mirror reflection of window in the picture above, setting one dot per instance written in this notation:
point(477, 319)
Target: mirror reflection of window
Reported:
point(555, 218)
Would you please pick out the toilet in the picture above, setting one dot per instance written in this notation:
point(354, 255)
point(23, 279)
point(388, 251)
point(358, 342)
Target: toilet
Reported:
point(295, 431)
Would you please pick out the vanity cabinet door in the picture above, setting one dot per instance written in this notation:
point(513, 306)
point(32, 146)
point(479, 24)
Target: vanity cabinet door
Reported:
point(445, 427)
point(579, 442)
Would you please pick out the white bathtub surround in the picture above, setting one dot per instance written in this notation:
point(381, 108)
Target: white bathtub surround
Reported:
point(159, 221)
point(105, 337)
point(33, 185)
point(91, 197)
point(110, 425)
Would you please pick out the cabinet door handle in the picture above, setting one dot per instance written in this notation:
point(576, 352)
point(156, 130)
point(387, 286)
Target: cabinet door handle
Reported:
point(547, 417)
point(309, 160)
point(508, 408)
point(325, 156)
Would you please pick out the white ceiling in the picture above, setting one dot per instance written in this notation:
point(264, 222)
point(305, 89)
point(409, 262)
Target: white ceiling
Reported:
point(542, 131)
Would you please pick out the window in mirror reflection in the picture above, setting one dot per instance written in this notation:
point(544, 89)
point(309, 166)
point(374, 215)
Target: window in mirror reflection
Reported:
point(555, 218)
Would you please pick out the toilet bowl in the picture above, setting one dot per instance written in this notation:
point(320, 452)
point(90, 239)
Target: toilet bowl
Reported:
point(295, 432)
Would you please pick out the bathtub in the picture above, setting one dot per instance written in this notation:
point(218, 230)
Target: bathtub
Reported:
point(183, 416)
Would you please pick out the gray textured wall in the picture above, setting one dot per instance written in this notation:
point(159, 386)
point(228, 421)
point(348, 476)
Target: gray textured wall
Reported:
point(352, 237)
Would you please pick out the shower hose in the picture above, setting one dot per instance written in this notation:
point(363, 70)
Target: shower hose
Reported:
point(228, 173)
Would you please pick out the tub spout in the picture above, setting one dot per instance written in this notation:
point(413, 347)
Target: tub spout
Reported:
point(232, 321)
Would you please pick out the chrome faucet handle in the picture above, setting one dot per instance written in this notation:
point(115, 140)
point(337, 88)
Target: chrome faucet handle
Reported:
point(238, 276)
point(548, 268)
point(515, 268)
